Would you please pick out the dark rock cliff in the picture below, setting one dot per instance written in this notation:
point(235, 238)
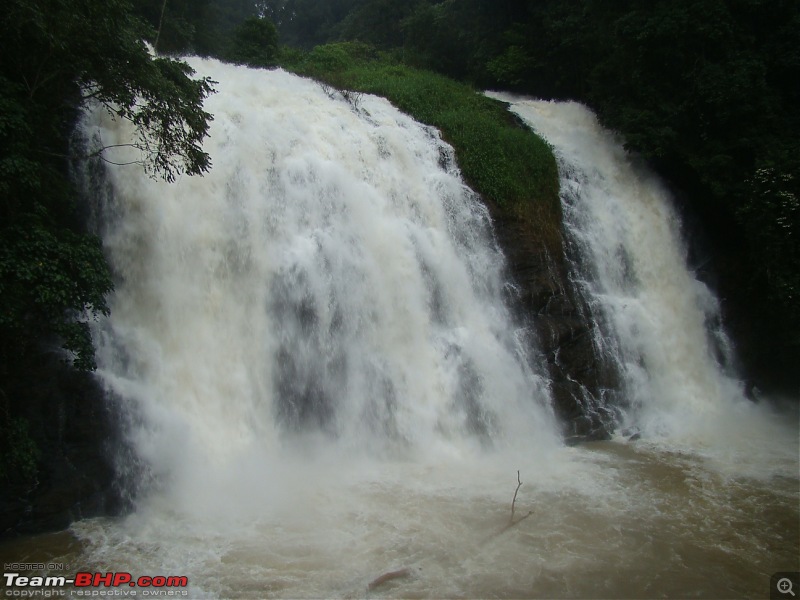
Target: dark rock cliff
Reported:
point(581, 380)
point(71, 425)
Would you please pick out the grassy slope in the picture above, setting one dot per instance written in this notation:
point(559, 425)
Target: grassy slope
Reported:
point(511, 167)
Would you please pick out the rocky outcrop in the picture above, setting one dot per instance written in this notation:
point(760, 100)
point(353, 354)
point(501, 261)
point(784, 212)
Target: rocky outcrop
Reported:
point(70, 424)
point(581, 380)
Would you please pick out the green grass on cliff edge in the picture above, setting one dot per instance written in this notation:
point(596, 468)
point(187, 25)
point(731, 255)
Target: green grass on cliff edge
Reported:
point(512, 168)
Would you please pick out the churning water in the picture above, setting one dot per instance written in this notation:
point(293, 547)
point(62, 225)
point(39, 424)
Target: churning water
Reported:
point(322, 382)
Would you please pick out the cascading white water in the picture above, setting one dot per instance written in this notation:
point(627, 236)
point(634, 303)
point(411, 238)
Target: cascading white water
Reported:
point(330, 289)
point(659, 323)
point(322, 383)
point(332, 273)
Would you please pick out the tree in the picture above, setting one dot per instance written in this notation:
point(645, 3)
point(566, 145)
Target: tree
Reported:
point(255, 43)
point(307, 23)
point(377, 22)
point(200, 27)
point(57, 58)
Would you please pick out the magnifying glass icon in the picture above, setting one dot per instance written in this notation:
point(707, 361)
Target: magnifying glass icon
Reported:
point(785, 586)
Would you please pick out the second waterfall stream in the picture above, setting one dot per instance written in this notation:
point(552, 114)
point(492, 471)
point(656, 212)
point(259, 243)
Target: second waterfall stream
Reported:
point(658, 323)
point(320, 382)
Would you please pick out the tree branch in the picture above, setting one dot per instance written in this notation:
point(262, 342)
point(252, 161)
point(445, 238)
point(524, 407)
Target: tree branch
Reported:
point(513, 502)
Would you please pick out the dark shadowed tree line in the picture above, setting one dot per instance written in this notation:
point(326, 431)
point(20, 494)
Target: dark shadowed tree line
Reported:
point(232, 30)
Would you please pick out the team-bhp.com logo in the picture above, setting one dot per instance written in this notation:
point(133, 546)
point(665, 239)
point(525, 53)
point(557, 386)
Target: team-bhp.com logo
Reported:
point(94, 584)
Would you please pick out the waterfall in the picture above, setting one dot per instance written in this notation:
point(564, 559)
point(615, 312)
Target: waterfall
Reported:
point(657, 322)
point(331, 279)
point(320, 382)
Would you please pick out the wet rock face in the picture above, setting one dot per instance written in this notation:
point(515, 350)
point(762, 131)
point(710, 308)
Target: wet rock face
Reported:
point(581, 381)
point(71, 426)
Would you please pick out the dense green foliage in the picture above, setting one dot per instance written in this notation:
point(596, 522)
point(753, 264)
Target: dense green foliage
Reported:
point(18, 450)
point(307, 23)
point(57, 57)
point(510, 166)
point(201, 27)
point(254, 43)
point(232, 30)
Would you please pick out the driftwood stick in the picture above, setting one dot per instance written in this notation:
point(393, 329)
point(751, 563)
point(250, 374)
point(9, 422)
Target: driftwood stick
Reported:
point(511, 523)
point(508, 526)
point(391, 575)
point(514, 501)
